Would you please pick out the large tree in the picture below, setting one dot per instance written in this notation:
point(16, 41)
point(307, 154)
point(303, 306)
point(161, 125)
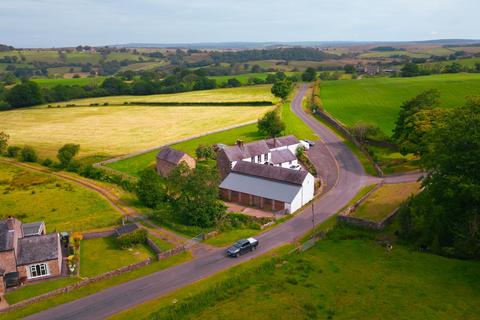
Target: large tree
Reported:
point(282, 88)
point(405, 124)
point(309, 75)
point(410, 70)
point(24, 95)
point(446, 216)
point(270, 124)
point(150, 189)
point(193, 195)
point(66, 154)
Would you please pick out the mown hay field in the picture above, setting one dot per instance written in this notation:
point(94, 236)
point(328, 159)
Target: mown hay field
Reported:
point(31, 196)
point(378, 100)
point(241, 94)
point(117, 130)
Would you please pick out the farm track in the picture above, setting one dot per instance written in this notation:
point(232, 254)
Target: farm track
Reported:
point(110, 197)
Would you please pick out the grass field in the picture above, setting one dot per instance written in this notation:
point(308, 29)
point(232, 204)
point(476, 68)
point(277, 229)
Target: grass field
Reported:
point(62, 205)
point(140, 66)
point(243, 78)
point(117, 130)
point(49, 83)
point(347, 279)
point(101, 255)
point(294, 125)
point(388, 54)
point(36, 289)
point(242, 94)
point(470, 62)
point(378, 100)
point(384, 200)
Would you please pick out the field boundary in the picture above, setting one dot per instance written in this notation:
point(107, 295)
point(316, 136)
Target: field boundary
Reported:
point(166, 104)
point(102, 164)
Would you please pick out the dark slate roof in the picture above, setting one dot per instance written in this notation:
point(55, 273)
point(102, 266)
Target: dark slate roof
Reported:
point(170, 155)
point(30, 229)
point(270, 172)
point(248, 150)
point(6, 237)
point(282, 142)
point(126, 229)
point(282, 156)
point(37, 249)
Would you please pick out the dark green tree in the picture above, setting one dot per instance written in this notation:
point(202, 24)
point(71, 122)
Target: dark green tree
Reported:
point(349, 68)
point(282, 88)
point(150, 189)
point(28, 154)
point(446, 216)
point(405, 124)
point(24, 95)
point(115, 86)
point(66, 154)
point(271, 124)
point(477, 67)
point(193, 195)
point(309, 75)
point(410, 70)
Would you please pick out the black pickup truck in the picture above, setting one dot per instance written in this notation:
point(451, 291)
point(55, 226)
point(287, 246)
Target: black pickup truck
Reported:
point(242, 246)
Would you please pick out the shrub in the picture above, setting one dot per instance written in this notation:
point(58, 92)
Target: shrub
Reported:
point(47, 162)
point(127, 240)
point(205, 152)
point(12, 151)
point(28, 154)
point(3, 141)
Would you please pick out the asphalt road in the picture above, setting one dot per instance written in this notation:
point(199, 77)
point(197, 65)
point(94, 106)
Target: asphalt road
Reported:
point(350, 178)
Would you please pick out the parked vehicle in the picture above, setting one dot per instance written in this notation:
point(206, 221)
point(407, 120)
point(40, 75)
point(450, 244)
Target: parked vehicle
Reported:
point(242, 246)
point(310, 143)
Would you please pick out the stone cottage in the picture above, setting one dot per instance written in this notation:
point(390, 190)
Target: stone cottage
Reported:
point(168, 159)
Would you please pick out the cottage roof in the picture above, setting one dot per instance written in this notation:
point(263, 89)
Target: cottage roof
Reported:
point(248, 150)
point(170, 155)
point(6, 236)
point(283, 175)
point(260, 187)
point(32, 229)
point(126, 229)
point(282, 142)
point(37, 248)
point(282, 156)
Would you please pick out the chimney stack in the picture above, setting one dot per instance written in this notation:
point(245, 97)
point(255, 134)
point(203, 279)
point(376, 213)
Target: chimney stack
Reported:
point(240, 143)
point(11, 223)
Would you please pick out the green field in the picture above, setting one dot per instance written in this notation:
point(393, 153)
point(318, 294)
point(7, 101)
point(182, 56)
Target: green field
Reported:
point(133, 166)
point(62, 205)
point(49, 56)
point(388, 54)
point(469, 63)
point(117, 130)
point(378, 100)
point(83, 57)
point(49, 83)
point(243, 78)
point(101, 255)
point(384, 200)
point(336, 279)
point(141, 66)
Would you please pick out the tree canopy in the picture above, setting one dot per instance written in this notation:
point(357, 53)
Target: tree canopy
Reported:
point(24, 95)
point(309, 75)
point(271, 124)
point(282, 88)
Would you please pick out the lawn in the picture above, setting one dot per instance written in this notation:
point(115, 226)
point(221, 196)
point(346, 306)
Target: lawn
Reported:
point(97, 286)
point(392, 161)
point(248, 133)
point(117, 130)
point(161, 244)
point(49, 83)
point(62, 205)
point(378, 100)
point(36, 289)
point(384, 200)
point(348, 279)
point(241, 94)
point(101, 255)
point(228, 237)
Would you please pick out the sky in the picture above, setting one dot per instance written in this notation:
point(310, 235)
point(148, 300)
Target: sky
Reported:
point(57, 23)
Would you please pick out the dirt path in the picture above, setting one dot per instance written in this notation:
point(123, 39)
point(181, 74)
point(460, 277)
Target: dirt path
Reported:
point(110, 197)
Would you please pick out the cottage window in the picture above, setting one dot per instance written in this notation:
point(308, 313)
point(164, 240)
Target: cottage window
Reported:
point(38, 270)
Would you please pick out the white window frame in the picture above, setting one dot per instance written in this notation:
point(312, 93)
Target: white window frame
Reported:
point(42, 270)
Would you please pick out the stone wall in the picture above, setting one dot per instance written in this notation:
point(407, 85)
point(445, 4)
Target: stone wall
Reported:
point(171, 252)
point(77, 285)
point(337, 125)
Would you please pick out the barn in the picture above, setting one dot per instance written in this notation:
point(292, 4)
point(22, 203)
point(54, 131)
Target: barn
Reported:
point(268, 187)
point(168, 159)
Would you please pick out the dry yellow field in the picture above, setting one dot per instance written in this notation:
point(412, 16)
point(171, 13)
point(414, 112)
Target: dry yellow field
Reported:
point(241, 94)
point(117, 130)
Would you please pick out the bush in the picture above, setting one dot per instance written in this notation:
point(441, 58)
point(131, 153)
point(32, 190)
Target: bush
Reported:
point(28, 154)
point(12, 151)
point(47, 162)
point(127, 240)
point(205, 152)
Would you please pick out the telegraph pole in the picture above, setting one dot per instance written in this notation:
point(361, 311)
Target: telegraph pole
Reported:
point(313, 219)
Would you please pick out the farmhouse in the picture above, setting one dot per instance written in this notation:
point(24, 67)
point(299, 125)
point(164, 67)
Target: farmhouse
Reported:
point(278, 152)
point(27, 253)
point(268, 187)
point(168, 159)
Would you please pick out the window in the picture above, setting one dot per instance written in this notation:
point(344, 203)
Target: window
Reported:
point(38, 270)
